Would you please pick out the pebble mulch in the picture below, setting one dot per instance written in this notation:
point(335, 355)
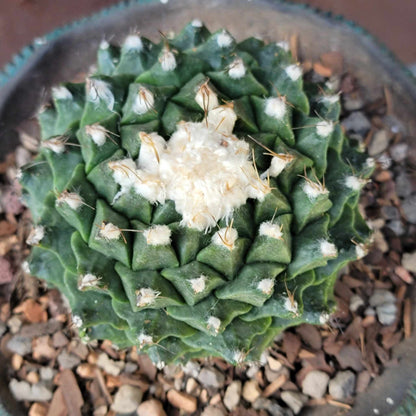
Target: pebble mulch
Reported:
point(53, 373)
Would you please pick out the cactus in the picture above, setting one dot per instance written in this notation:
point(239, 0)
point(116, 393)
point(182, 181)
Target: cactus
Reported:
point(194, 197)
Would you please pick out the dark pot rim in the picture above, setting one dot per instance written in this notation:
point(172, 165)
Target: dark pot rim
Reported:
point(30, 56)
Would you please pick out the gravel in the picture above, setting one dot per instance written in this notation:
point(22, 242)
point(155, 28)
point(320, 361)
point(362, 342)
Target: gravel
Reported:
point(409, 208)
point(211, 377)
point(315, 384)
point(68, 360)
point(127, 399)
point(357, 122)
point(22, 390)
point(379, 143)
point(20, 345)
point(386, 313)
point(251, 391)
point(409, 261)
point(342, 385)
point(294, 400)
point(232, 395)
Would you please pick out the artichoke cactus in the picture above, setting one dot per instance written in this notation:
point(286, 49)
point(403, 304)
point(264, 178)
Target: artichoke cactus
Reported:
point(194, 197)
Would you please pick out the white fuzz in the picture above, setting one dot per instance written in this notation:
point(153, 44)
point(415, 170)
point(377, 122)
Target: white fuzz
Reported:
point(370, 162)
point(328, 249)
point(150, 187)
point(237, 70)
point(324, 128)
point(294, 72)
point(291, 306)
point(104, 44)
point(36, 235)
point(214, 323)
point(222, 119)
point(133, 42)
point(57, 145)
point(354, 183)
point(313, 189)
point(146, 296)
point(275, 107)
point(167, 60)
point(324, 318)
point(61, 93)
point(25, 267)
point(72, 199)
point(224, 40)
point(77, 321)
point(144, 101)
point(109, 231)
point(88, 280)
point(157, 235)
point(206, 98)
point(278, 163)
point(330, 99)
point(271, 230)
point(198, 284)
point(266, 286)
point(97, 133)
point(98, 90)
point(361, 251)
point(124, 173)
point(196, 23)
point(284, 45)
point(225, 237)
point(239, 356)
point(144, 340)
point(151, 148)
point(160, 365)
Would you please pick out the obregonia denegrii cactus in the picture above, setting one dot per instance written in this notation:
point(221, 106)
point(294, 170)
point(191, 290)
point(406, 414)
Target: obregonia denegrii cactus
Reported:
point(192, 198)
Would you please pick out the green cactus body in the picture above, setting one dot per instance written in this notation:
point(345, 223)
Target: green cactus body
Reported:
point(191, 199)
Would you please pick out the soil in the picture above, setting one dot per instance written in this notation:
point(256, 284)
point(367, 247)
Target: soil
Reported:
point(53, 373)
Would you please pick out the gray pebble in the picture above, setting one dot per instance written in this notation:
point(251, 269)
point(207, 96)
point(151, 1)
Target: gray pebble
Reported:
point(390, 213)
point(252, 370)
point(381, 296)
point(110, 366)
point(20, 345)
point(379, 143)
point(191, 368)
point(386, 313)
point(22, 390)
point(357, 122)
point(355, 303)
point(409, 208)
point(397, 227)
point(232, 395)
point(398, 152)
point(14, 324)
point(272, 407)
point(47, 373)
point(210, 377)
point(352, 103)
point(342, 385)
point(409, 261)
point(127, 399)
point(315, 384)
point(403, 185)
point(67, 360)
point(294, 400)
point(3, 328)
point(212, 411)
point(130, 367)
point(171, 370)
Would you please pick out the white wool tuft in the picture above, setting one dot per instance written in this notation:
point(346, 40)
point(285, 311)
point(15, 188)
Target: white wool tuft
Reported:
point(150, 187)
point(224, 40)
point(275, 107)
point(124, 173)
point(284, 45)
point(313, 190)
point(72, 199)
point(167, 60)
point(294, 72)
point(266, 286)
point(104, 44)
point(88, 280)
point(144, 339)
point(61, 93)
point(98, 90)
point(214, 323)
point(133, 42)
point(328, 249)
point(278, 164)
point(57, 145)
point(330, 99)
point(77, 321)
point(151, 148)
point(109, 231)
point(370, 162)
point(221, 119)
point(324, 318)
point(157, 235)
point(360, 251)
point(146, 296)
point(198, 284)
point(196, 23)
point(160, 365)
point(239, 356)
point(206, 98)
point(271, 230)
point(354, 183)
point(291, 305)
point(36, 235)
point(225, 237)
point(324, 128)
point(237, 70)
point(97, 133)
point(144, 101)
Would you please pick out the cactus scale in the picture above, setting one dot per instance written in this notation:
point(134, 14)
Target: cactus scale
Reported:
point(194, 197)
